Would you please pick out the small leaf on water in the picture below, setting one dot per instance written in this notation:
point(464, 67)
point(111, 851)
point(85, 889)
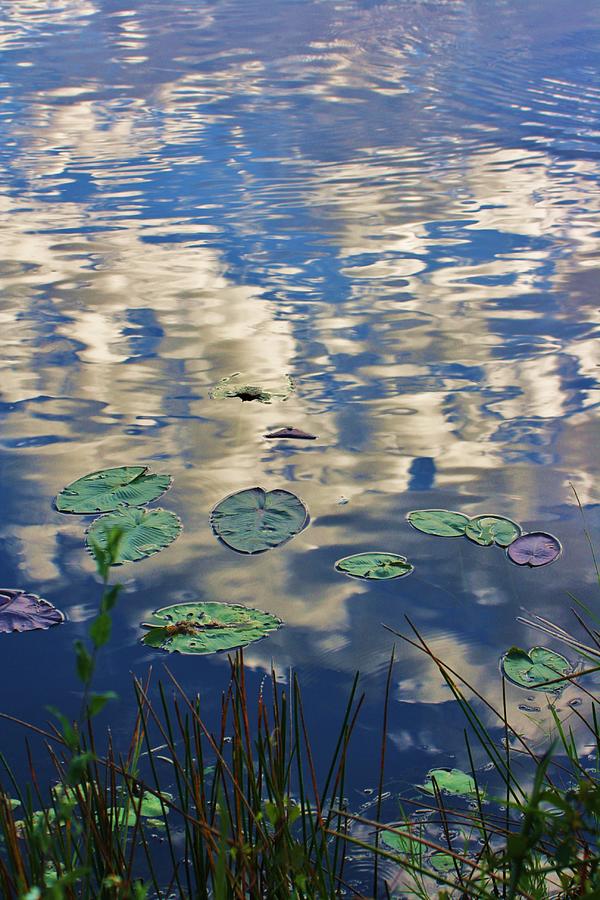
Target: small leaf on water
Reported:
point(291, 434)
point(442, 863)
point(144, 532)
point(20, 611)
point(530, 670)
point(254, 520)
point(404, 845)
point(150, 808)
point(208, 627)
point(537, 548)
point(441, 522)
point(235, 386)
point(487, 530)
point(449, 781)
point(376, 564)
point(110, 489)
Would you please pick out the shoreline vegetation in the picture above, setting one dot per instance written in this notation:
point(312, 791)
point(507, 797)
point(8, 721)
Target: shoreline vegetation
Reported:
point(244, 812)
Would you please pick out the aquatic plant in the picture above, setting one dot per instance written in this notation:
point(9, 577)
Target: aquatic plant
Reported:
point(255, 520)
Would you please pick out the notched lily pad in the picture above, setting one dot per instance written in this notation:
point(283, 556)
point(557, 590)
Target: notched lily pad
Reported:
point(441, 522)
point(254, 520)
point(144, 532)
point(487, 530)
point(20, 611)
point(537, 548)
point(454, 782)
point(530, 670)
point(288, 433)
point(210, 627)
point(236, 386)
point(377, 564)
point(110, 489)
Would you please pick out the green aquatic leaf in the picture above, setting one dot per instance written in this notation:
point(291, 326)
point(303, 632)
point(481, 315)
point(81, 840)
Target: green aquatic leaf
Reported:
point(532, 669)
point(487, 530)
point(442, 863)
point(150, 808)
point(236, 386)
point(144, 532)
point(404, 845)
point(375, 564)
point(254, 520)
point(207, 627)
point(110, 489)
point(450, 781)
point(442, 522)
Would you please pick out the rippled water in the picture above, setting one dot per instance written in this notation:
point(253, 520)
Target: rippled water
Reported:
point(397, 204)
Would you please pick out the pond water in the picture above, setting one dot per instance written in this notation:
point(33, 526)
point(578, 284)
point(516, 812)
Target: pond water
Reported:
point(395, 203)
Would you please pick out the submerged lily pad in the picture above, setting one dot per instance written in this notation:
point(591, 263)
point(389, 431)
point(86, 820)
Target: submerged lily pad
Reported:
point(235, 386)
point(377, 564)
point(535, 549)
point(531, 670)
point(109, 489)
point(20, 611)
point(450, 781)
point(288, 433)
point(487, 530)
point(254, 520)
point(144, 532)
point(442, 522)
point(208, 627)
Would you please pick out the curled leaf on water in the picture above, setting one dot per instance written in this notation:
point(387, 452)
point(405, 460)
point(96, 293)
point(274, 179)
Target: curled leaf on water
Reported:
point(207, 627)
point(289, 433)
point(255, 520)
point(376, 564)
point(454, 782)
point(110, 489)
point(143, 532)
point(236, 385)
point(441, 522)
point(21, 611)
point(487, 530)
point(537, 548)
point(531, 670)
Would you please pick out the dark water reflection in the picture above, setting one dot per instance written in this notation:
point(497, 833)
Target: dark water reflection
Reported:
point(397, 203)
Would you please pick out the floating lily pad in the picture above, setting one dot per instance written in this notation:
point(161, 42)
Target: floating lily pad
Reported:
point(254, 520)
point(150, 808)
point(235, 386)
point(208, 627)
point(144, 532)
point(450, 781)
point(291, 434)
point(109, 489)
point(532, 669)
point(487, 530)
point(535, 549)
point(405, 846)
point(442, 522)
point(442, 863)
point(377, 564)
point(20, 611)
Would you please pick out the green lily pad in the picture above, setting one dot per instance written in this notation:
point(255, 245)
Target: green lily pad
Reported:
point(450, 781)
point(441, 863)
point(531, 669)
point(442, 522)
point(375, 564)
point(144, 532)
point(405, 846)
point(150, 808)
point(254, 520)
point(236, 386)
point(487, 530)
point(110, 489)
point(209, 627)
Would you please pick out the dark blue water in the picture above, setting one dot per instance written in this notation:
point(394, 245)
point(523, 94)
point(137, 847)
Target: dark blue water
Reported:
point(396, 203)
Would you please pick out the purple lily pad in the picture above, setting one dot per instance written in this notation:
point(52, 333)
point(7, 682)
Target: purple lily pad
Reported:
point(291, 433)
point(534, 549)
point(20, 611)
